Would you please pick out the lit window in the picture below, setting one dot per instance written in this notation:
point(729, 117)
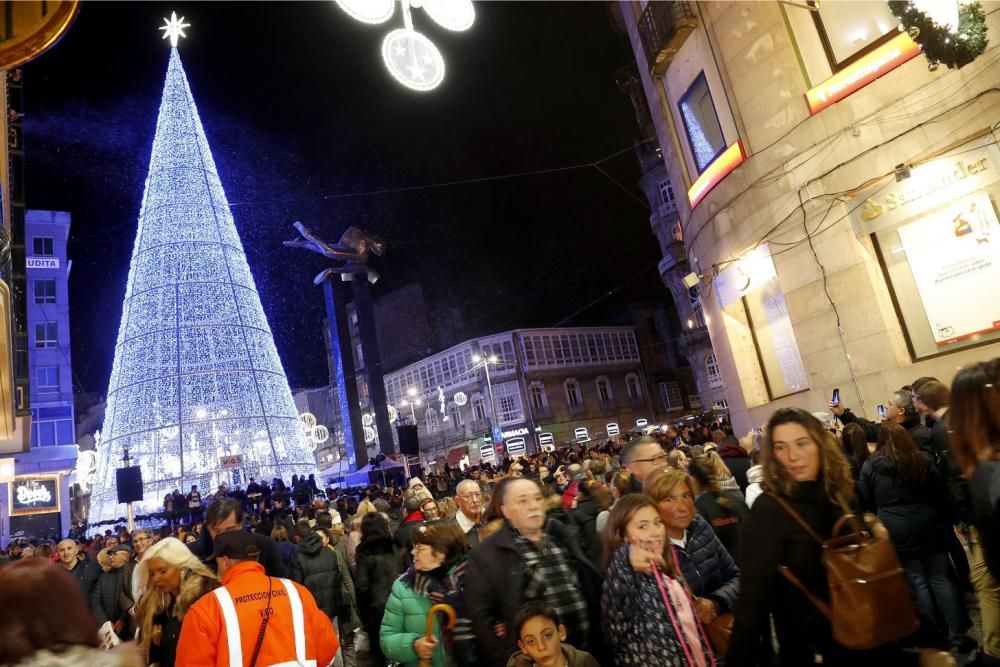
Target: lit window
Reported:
point(45, 290)
point(42, 246)
point(712, 370)
point(701, 123)
point(666, 192)
point(850, 29)
point(508, 402)
point(46, 335)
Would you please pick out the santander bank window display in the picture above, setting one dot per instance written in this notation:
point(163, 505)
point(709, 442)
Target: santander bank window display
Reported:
point(938, 239)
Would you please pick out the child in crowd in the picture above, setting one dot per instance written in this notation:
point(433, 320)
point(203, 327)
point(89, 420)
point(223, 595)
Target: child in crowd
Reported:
point(540, 637)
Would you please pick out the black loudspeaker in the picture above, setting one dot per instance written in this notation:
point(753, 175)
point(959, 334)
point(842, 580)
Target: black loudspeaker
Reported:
point(129, 483)
point(408, 442)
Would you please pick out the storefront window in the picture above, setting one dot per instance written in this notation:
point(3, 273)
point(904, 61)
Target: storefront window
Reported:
point(701, 123)
point(775, 341)
point(849, 29)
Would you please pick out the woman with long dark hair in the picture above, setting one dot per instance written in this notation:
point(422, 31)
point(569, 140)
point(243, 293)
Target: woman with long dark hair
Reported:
point(379, 561)
point(902, 486)
point(856, 450)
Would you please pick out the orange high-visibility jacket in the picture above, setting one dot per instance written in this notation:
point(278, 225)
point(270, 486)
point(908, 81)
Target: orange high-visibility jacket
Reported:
point(297, 634)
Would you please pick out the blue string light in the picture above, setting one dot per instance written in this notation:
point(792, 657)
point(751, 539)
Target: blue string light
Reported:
point(196, 375)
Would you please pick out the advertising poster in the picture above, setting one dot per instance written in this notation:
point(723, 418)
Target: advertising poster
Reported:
point(954, 255)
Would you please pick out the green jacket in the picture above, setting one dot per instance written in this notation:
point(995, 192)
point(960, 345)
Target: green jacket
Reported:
point(405, 620)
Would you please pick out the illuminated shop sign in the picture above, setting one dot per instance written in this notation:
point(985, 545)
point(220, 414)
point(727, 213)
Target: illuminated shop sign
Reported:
point(516, 447)
point(546, 439)
point(515, 432)
point(581, 434)
point(41, 262)
point(641, 423)
point(721, 167)
point(34, 495)
point(859, 74)
point(613, 429)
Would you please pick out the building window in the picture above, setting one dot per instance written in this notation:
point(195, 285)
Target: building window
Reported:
point(431, 421)
point(52, 426)
point(712, 370)
point(666, 193)
point(359, 357)
point(479, 407)
point(849, 30)
point(701, 123)
point(573, 398)
point(42, 246)
point(46, 335)
point(508, 400)
point(45, 290)
point(47, 379)
point(539, 401)
point(633, 386)
point(455, 417)
point(604, 389)
point(670, 394)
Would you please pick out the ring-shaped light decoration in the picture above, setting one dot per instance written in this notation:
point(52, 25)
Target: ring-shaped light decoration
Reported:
point(456, 15)
point(369, 435)
point(320, 434)
point(413, 60)
point(368, 11)
point(460, 398)
point(308, 420)
point(367, 419)
point(393, 413)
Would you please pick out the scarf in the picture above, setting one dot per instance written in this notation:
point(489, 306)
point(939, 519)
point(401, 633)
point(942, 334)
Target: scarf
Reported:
point(443, 585)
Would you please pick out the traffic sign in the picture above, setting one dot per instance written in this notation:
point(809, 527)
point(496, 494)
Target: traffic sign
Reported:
point(497, 434)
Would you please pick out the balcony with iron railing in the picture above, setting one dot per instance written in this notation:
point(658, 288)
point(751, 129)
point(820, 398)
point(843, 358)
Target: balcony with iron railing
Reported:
point(663, 29)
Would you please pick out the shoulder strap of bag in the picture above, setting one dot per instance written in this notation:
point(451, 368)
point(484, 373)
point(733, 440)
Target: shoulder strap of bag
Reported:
point(821, 605)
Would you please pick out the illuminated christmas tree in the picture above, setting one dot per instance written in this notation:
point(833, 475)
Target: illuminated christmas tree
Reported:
point(196, 375)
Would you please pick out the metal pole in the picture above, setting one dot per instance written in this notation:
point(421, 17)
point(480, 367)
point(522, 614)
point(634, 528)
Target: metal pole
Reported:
point(131, 517)
point(489, 388)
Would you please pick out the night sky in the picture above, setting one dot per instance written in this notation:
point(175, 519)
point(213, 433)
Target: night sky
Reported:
point(306, 124)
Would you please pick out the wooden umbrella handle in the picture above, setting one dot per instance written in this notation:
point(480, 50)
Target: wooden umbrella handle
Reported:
point(449, 611)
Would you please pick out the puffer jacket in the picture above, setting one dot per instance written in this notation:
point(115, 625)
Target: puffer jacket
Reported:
point(755, 475)
point(379, 563)
point(707, 567)
point(725, 512)
point(317, 569)
point(585, 518)
point(916, 514)
point(105, 601)
point(405, 621)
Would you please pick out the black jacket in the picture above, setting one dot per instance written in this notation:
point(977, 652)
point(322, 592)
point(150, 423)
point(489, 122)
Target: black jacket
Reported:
point(985, 495)
point(920, 434)
point(315, 567)
point(270, 557)
point(738, 462)
point(494, 591)
point(105, 600)
point(378, 564)
point(585, 517)
point(944, 459)
point(726, 522)
point(916, 514)
point(707, 566)
point(86, 572)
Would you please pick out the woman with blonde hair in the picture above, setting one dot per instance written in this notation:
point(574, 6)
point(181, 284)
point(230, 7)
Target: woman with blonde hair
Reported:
point(354, 537)
point(173, 579)
point(723, 475)
point(707, 566)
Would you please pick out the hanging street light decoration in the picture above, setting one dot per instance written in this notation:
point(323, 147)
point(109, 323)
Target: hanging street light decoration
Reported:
point(410, 56)
point(460, 398)
point(316, 434)
point(949, 32)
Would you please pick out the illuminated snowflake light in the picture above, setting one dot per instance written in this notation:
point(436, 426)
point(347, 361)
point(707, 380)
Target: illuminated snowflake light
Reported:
point(174, 28)
point(196, 374)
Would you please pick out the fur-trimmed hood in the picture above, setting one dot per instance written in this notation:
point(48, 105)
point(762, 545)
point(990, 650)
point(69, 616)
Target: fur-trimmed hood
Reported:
point(193, 586)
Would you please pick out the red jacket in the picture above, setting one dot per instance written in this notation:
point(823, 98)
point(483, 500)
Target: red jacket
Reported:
point(204, 639)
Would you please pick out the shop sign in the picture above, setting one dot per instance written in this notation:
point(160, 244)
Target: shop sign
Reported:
point(957, 250)
point(581, 434)
point(641, 423)
point(863, 71)
point(487, 452)
point(41, 262)
point(516, 447)
point(546, 439)
point(721, 167)
point(613, 429)
point(34, 495)
point(516, 432)
point(970, 168)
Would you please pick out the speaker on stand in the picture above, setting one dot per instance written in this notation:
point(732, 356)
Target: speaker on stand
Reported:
point(128, 483)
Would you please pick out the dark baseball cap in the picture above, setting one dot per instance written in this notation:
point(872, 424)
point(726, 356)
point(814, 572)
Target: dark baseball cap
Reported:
point(237, 544)
point(120, 547)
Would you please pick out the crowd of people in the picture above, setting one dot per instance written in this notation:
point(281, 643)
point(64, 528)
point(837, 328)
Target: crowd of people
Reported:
point(818, 538)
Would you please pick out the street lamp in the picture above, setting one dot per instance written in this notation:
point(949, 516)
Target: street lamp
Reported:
point(485, 363)
point(411, 403)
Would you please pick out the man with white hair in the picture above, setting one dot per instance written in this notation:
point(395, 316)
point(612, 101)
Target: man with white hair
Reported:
point(469, 498)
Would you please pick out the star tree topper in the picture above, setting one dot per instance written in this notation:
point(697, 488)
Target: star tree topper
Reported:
point(174, 28)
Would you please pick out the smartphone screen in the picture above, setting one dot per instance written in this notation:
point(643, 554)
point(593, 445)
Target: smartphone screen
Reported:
point(881, 411)
point(836, 397)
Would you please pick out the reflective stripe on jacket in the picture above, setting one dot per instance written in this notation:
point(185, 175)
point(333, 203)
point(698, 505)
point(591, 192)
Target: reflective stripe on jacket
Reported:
point(221, 630)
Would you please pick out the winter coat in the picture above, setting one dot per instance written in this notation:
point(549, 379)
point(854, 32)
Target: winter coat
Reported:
point(707, 567)
point(771, 537)
point(585, 518)
point(944, 459)
point(572, 656)
point(105, 600)
point(738, 462)
point(726, 522)
point(494, 591)
point(405, 620)
point(286, 551)
point(125, 655)
point(636, 621)
point(920, 434)
point(755, 475)
point(86, 572)
point(984, 490)
point(316, 568)
point(167, 626)
point(916, 514)
point(402, 534)
point(270, 557)
point(379, 562)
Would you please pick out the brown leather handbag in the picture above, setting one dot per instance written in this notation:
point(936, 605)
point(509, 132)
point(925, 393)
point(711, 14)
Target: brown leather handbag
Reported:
point(719, 631)
point(870, 603)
